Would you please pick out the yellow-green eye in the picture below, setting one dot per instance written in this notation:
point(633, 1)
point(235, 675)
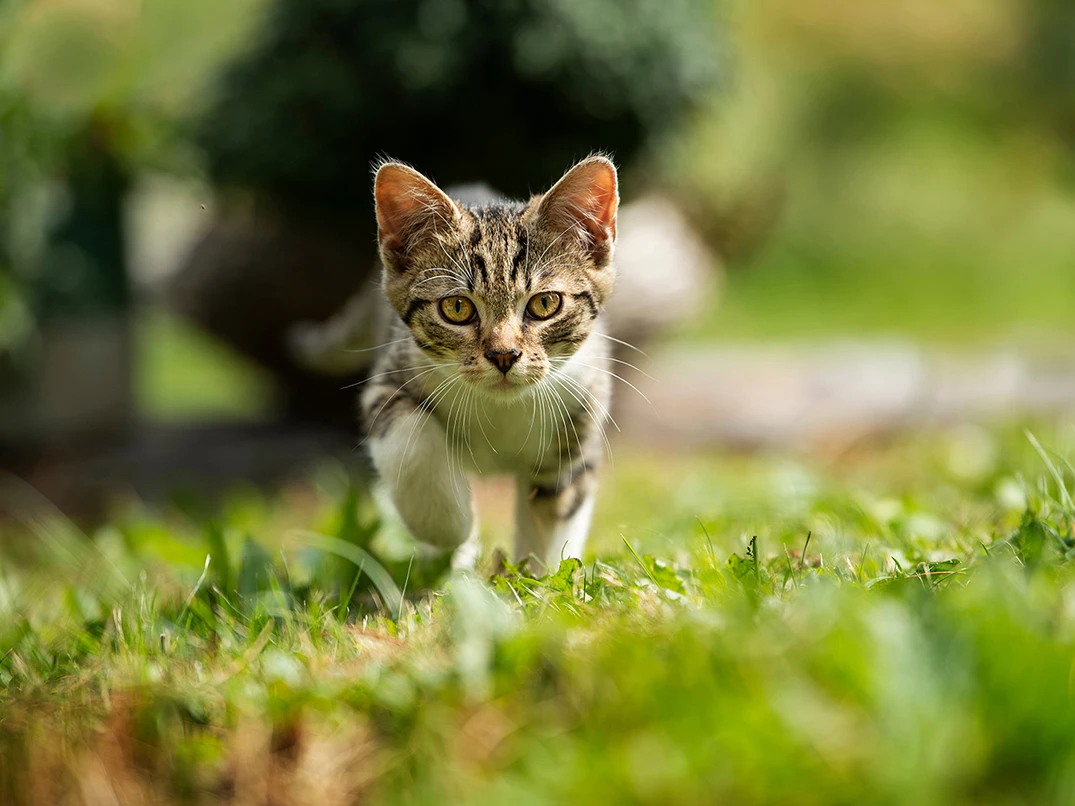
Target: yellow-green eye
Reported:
point(457, 310)
point(544, 305)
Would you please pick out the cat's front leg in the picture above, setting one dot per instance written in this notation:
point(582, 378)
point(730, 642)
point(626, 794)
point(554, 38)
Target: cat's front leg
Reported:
point(553, 514)
point(421, 478)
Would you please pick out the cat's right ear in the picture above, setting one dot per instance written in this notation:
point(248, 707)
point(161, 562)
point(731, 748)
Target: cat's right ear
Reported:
point(409, 207)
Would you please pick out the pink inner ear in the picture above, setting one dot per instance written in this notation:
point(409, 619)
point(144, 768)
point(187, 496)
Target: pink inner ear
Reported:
point(586, 196)
point(604, 199)
point(407, 203)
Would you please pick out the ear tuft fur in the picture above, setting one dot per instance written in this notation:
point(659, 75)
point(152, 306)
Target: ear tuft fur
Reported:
point(583, 204)
point(409, 206)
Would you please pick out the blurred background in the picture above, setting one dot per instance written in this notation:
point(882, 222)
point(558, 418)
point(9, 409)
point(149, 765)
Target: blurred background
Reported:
point(840, 220)
point(828, 565)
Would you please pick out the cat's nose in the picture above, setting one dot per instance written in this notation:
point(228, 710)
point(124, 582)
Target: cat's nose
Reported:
point(503, 359)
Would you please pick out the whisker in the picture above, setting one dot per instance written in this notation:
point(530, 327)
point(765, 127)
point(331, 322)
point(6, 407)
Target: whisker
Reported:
point(590, 410)
point(369, 425)
point(541, 437)
point(420, 283)
point(466, 254)
point(578, 440)
point(431, 401)
point(605, 413)
point(448, 432)
point(552, 424)
point(470, 407)
point(465, 272)
point(557, 261)
point(530, 430)
point(617, 377)
point(459, 275)
point(422, 416)
point(598, 425)
point(482, 429)
point(389, 372)
point(620, 341)
point(551, 245)
point(632, 366)
point(450, 437)
point(554, 398)
point(379, 346)
point(598, 412)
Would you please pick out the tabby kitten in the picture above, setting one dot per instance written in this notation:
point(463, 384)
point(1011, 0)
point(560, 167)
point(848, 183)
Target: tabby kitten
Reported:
point(496, 361)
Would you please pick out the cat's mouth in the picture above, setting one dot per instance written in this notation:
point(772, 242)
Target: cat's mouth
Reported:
point(517, 382)
point(508, 386)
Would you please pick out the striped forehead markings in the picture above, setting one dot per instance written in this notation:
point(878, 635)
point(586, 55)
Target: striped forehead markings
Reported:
point(479, 265)
point(500, 232)
point(476, 232)
point(520, 256)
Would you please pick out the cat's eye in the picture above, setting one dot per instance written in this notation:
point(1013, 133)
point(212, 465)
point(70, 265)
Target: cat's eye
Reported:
point(544, 305)
point(457, 310)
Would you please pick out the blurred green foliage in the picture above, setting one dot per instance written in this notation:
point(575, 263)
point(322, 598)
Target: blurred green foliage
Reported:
point(902, 167)
point(137, 68)
point(899, 167)
point(90, 93)
point(477, 90)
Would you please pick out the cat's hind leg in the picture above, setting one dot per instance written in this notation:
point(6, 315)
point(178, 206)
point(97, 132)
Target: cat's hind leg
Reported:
point(552, 519)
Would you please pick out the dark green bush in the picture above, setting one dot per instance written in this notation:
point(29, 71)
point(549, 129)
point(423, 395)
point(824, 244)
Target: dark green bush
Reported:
point(506, 91)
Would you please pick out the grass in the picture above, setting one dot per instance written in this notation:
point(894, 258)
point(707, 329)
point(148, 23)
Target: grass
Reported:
point(894, 626)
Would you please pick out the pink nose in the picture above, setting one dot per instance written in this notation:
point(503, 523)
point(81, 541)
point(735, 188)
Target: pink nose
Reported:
point(503, 360)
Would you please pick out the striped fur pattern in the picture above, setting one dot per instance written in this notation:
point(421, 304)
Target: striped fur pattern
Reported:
point(495, 361)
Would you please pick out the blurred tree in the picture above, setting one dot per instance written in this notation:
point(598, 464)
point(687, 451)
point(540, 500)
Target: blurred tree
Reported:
point(505, 91)
point(911, 135)
point(89, 93)
point(1050, 69)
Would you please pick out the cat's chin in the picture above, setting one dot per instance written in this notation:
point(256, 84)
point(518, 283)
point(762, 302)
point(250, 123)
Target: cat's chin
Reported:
point(508, 389)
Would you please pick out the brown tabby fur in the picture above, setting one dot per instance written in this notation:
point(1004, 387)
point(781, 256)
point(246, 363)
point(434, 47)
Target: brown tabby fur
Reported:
point(437, 405)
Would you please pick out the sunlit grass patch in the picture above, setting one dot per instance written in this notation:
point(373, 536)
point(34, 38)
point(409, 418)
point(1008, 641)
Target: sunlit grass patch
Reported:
point(751, 630)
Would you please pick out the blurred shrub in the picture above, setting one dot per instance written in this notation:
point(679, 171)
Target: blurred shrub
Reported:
point(146, 65)
point(1049, 75)
point(108, 82)
point(914, 157)
point(508, 92)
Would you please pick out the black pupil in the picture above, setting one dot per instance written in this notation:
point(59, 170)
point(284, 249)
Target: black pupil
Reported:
point(459, 306)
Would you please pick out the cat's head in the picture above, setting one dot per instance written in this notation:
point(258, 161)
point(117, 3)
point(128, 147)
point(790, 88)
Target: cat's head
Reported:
point(504, 293)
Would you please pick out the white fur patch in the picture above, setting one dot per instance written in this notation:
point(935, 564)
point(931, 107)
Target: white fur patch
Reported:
point(426, 486)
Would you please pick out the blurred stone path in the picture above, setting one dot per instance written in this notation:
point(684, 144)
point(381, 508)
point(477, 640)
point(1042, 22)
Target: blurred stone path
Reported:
point(830, 395)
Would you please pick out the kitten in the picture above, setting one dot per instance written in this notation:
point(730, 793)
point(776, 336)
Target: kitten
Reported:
point(495, 359)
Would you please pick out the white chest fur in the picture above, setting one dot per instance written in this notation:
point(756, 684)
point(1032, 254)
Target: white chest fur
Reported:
point(491, 435)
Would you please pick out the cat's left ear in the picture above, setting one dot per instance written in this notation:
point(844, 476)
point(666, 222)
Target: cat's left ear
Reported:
point(583, 205)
